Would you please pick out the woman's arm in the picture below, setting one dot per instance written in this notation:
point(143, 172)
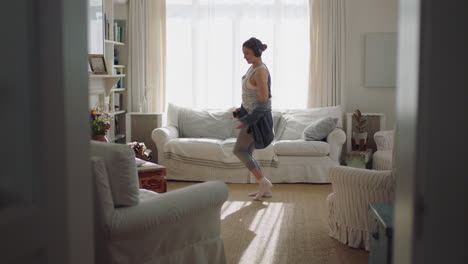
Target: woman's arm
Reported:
point(260, 80)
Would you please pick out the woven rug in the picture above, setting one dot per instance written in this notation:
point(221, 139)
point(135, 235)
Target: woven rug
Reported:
point(290, 227)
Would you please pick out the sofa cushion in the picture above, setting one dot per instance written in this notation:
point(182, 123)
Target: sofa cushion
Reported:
point(320, 129)
point(301, 147)
point(213, 152)
point(198, 123)
point(121, 170)
point(296, 120)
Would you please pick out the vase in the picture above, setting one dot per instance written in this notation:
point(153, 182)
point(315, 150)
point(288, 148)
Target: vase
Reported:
point(102, 138)
point(360, 139)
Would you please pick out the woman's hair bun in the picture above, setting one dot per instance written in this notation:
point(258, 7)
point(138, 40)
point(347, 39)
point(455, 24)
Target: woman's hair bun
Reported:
point(264, 47)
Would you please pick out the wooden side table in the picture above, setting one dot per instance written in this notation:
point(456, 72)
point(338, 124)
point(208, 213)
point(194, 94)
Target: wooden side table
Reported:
point(359, 159)
point(152, 177)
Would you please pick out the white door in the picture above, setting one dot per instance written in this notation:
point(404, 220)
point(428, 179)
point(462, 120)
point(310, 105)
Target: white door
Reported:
point(45, 183)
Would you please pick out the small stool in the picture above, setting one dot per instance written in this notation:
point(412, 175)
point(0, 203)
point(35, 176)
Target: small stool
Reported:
point(152, 177)
point(359, 159)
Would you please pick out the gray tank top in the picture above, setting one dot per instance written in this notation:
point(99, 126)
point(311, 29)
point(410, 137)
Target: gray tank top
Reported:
point(249, 92)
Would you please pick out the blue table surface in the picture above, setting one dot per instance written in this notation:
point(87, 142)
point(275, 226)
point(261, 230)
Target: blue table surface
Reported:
point(385, 212)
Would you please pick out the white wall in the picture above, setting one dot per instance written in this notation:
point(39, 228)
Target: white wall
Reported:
point(365, 16)
point(121, 11)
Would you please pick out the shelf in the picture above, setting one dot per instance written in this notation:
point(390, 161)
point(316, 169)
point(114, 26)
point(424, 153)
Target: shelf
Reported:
point(119, 66)
point(114, 42)
point(117, 137)
point(118, 90)
point(101, 76)
point(103, 83)
point(119, 112)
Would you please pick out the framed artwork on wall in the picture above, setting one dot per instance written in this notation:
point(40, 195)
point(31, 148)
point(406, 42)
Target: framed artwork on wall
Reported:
point(380, 59)
point(97, 63)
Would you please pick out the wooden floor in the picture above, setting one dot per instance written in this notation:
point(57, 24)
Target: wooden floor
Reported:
point(290, 227)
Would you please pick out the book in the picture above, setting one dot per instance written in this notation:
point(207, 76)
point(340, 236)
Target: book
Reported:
point(117, 101)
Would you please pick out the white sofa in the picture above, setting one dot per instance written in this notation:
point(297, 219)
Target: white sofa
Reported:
point(140, 226)
point(196, 145)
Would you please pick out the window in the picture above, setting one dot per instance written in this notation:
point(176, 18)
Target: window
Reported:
point(204, 50)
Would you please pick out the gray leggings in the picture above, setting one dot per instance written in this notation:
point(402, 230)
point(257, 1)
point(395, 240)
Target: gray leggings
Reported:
point(244, 148)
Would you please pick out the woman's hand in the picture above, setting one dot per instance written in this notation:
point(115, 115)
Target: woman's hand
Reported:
point(241, 126)
point(235, 114)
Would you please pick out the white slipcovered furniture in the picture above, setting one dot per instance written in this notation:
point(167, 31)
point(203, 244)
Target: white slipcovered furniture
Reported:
point(196, 145)
point(353, 190)
point(382, 158)
point(140, 226)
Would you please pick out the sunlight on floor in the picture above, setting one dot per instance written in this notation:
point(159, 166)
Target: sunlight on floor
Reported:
point(265, 226)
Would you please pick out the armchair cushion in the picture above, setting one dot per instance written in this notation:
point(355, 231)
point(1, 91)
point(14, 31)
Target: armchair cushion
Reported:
point(320, 129)
point(121, 170)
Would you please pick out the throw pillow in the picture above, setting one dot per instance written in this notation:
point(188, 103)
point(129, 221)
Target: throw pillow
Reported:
point(205, 123)
point(320, 129)
point(121, 170)
point(296, 120)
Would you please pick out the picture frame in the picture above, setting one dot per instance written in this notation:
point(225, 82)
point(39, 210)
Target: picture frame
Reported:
point(97, 63)
point(380, 52)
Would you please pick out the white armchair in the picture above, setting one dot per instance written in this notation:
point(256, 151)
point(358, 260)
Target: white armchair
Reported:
point(181, 226)
point(354, 189)
point(382, 158)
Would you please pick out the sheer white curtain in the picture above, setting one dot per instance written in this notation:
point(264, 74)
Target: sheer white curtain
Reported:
point(204, 50)
point(328, 46)
point(147, 40)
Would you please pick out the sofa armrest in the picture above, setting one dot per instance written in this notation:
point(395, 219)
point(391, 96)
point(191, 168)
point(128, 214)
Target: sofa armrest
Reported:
point(384, 139)
point(336, 139)
point(161, 136)
point(170, 208)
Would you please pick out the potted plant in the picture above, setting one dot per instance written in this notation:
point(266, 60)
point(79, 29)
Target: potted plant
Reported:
point(360, 135)
point(100, 124)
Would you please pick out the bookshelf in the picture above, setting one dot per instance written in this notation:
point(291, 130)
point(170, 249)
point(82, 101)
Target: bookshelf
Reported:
point(111, 91)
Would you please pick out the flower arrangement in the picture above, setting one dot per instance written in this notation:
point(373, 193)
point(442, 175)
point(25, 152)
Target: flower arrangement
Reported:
point(361, 121)
point(100, 121)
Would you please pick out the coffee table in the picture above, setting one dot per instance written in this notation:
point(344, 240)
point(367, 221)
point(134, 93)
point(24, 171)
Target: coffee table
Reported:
point(152, 177)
